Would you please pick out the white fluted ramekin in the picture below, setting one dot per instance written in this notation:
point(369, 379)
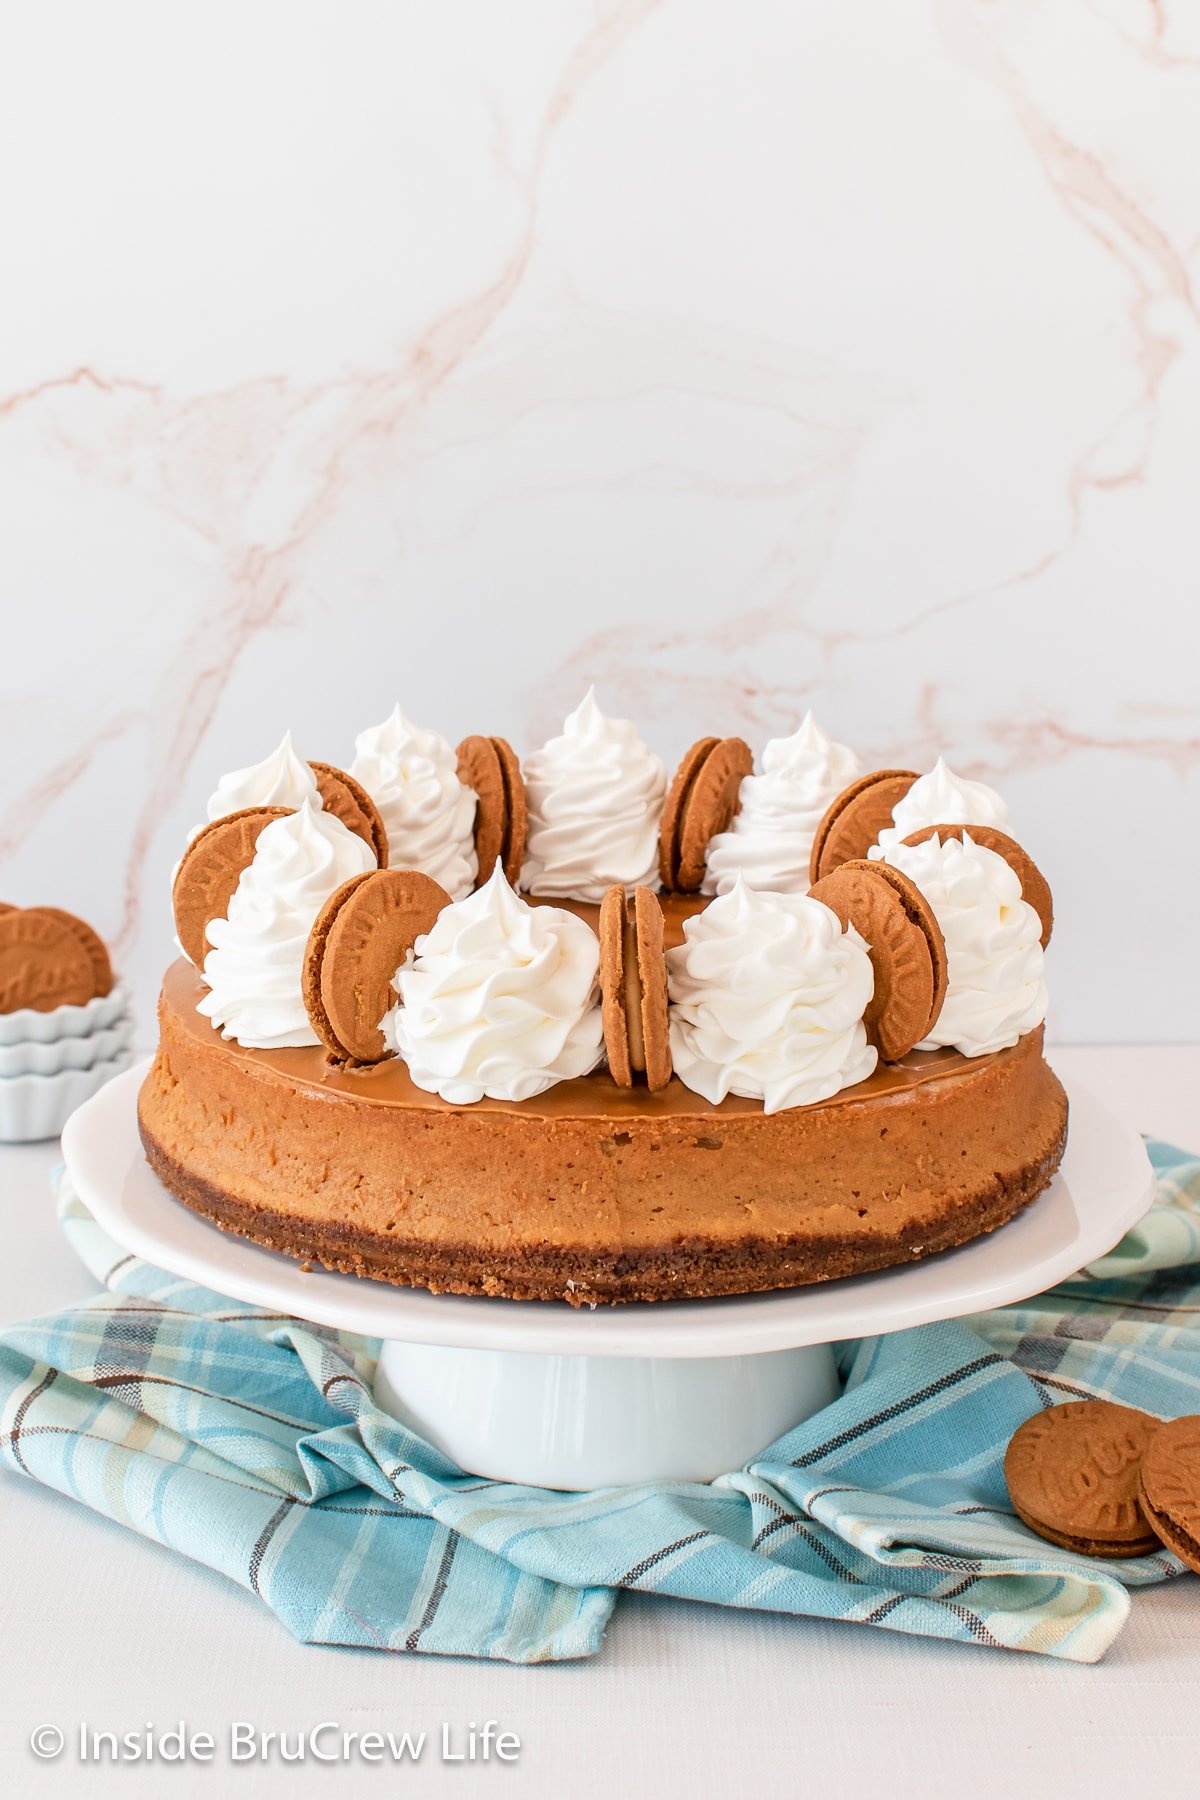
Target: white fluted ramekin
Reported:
point(31, 1058)
point(38, 1106)
point(28, 1026)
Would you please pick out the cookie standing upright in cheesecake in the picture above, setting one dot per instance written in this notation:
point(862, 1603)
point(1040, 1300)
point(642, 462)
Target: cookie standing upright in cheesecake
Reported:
point(489, 769)
point(701, 803)
point(363, 934)
point(633, 987)
point(906, 947)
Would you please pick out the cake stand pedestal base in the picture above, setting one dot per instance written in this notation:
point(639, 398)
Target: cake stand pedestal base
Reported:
point(538, 1392)
point(600, 1421)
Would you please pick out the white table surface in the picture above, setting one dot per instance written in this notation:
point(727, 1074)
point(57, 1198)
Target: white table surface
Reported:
point(99, 1625)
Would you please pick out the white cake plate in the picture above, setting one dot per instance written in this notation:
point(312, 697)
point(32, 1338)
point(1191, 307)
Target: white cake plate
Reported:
point(540, 1392)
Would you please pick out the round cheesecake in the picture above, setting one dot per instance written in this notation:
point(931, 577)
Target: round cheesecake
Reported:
point(591, 1192)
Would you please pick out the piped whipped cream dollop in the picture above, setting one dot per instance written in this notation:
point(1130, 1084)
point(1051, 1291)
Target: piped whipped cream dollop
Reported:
point(771, 837)
point(595, 797)
point(996, 990)
point(941, 798)
point(256, 962)
point(768, 994)
point(412, 776)
point(281, 779)
point(500, 999)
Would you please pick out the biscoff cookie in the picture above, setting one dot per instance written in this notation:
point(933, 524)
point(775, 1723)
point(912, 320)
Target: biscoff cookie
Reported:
point(1170, 1487)
point(855, 818)
point(702, 800)
point(1034, 886)
point(92, 942)
point(489, 766)
point(633, 988)
point(349, 801)
point(45, 962)
point(907, 950)
point(212, 866)
point(1074, 1477)
point(358, 941)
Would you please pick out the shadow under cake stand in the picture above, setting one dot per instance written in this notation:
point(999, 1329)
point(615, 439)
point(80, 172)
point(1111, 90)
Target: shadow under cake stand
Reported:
point(539, 1392)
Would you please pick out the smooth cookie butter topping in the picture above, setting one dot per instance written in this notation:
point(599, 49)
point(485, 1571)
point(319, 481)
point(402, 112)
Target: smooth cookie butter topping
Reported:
point(996, 989)
point(429, 813)
point(768, 994)
point(499, 1000)
point(770, 840)
point(941, 798)
point(595, 797)
point(255, 966)
point(281, 779)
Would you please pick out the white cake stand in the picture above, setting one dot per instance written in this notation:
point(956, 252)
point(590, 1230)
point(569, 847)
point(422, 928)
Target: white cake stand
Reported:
point(540, 1392)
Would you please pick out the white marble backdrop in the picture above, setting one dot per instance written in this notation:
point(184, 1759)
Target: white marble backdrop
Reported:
point(737, 358)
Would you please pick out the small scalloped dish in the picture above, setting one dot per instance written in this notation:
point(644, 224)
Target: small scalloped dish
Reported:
point(33, 1058)
point(27, 1026)
point(33, 1107)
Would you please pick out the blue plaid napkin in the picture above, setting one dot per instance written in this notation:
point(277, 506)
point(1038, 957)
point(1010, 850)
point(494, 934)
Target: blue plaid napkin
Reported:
point(249, 1441)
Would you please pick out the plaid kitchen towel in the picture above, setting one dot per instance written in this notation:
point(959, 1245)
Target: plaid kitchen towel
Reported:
point(249, 1442)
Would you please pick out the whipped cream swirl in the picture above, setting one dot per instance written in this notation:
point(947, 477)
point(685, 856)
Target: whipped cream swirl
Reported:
point(941, 798)
point(254, 968)
point(595, 798)
point(281, 779)
point(996, 989)
point(412, 776)
point(768, 994)
point(771, 837)
point(500, 999)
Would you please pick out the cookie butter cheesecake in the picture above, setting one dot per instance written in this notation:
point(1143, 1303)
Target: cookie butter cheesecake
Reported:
point(575, 1031)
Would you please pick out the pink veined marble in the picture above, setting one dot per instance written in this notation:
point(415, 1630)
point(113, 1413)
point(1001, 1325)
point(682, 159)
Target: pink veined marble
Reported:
point(737, 361)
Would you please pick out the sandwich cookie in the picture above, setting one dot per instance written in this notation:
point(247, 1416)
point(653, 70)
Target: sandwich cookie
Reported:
point(633, 988)
point(349, 801)
point(212, 866)
point(856, 817)
point(1034, 887)
point(359, 939)
point(1074, 1477)
point(907, 949)
point(1170, 1490)
point(701, 802)
point(489, 766)
point(49, 958)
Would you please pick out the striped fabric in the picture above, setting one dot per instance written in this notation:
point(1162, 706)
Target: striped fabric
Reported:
point(249, 1442)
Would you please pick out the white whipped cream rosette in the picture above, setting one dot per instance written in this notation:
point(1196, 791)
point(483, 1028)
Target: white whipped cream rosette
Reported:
point(500, 1000)
point(412, 776)
point(281, 779)
point(941, 798)
point(767, 998)
point(595, 798)
point(770, 840)
point(996, 989)
point(255, 967)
